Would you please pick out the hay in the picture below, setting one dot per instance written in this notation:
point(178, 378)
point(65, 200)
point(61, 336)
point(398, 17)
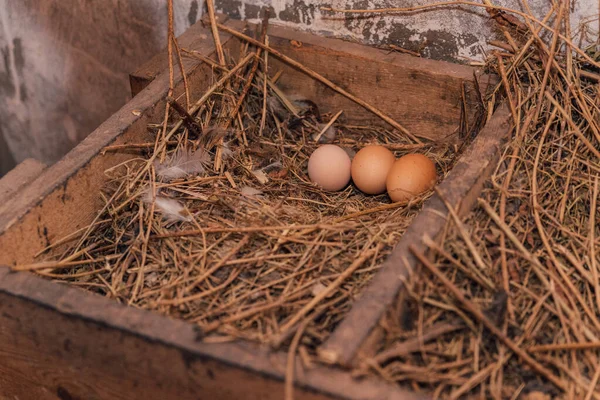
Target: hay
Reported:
point(510, 307)
point(216, 222)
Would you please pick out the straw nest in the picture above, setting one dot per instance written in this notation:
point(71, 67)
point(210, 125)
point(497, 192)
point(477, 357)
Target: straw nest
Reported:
point(217, 223)
point(510, 305)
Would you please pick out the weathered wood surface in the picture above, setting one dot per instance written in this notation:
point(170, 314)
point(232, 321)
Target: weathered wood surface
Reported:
point(422, 95)
point(59, 342)
point(460, 189)
point(19, 177)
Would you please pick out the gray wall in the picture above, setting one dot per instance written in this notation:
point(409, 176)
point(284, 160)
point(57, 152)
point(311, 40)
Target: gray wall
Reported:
point(65, 63)
point(458, 34)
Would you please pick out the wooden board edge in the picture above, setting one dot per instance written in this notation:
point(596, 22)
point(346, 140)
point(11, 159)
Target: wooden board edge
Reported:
point(19, 177)
point(159, 64)
point(162, 330)
point(337, 45)
point(460, 189)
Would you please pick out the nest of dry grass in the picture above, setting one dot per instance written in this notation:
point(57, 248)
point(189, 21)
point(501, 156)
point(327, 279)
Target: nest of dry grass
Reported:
point(217, 223)
point(510, 305)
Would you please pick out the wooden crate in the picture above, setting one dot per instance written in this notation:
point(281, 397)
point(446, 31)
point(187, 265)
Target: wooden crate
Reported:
point(58, 342)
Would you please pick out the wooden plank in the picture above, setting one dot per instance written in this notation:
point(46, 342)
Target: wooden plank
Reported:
point(17, 178)
point(59, 342)
point(422, 95)
point(195, 38)
point(460, 189)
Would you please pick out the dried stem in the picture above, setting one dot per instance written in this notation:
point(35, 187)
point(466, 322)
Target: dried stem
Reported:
point(487, 323)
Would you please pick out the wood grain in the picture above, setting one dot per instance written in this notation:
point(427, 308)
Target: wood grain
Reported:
point(460, 189)
point(59, 342)
point(422, 95)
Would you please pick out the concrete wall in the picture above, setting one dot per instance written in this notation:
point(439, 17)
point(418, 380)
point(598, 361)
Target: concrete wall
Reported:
point(458, 34)
point(64, 63)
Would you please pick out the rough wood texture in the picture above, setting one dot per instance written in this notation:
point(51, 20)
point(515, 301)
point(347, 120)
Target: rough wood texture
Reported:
point(460, 189)
point(17, 178)
point(422, 95)
point(58, 342)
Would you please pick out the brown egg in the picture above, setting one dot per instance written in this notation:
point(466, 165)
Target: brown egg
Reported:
point(329, 167)
point(410, 176)
point(370, 168)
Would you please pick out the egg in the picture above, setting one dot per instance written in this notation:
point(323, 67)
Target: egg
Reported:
point(329, 167)
point(410, 176)
point(370, 168)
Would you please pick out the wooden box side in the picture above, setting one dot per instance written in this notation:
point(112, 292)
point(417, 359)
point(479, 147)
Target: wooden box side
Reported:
point(18, 178)
point(423, 95)
point(59, 342)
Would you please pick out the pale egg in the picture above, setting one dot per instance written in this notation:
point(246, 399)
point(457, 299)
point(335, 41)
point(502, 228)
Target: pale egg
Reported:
point(370, 168)
point(329, 167)
point(410, 176)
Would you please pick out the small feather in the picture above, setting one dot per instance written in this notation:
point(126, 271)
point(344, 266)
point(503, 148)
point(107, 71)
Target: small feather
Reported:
point(305, 106)
point(250, 191)
point(171, 209)
point(183, 163)
point(226, 151)
point(212, 135)
point(273, 166)
point(260, 176)
point(277, 108)
point(327, 137)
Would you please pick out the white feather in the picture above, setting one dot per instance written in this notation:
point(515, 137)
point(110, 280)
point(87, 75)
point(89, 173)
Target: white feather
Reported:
point(183, 163)
point(171, 209)
point(260, 176)
point(226, 151)
point(273, 166)
point(327, 137)
point(250, 191)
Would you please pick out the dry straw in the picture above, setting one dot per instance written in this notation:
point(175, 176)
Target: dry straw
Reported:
point(510, 305)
